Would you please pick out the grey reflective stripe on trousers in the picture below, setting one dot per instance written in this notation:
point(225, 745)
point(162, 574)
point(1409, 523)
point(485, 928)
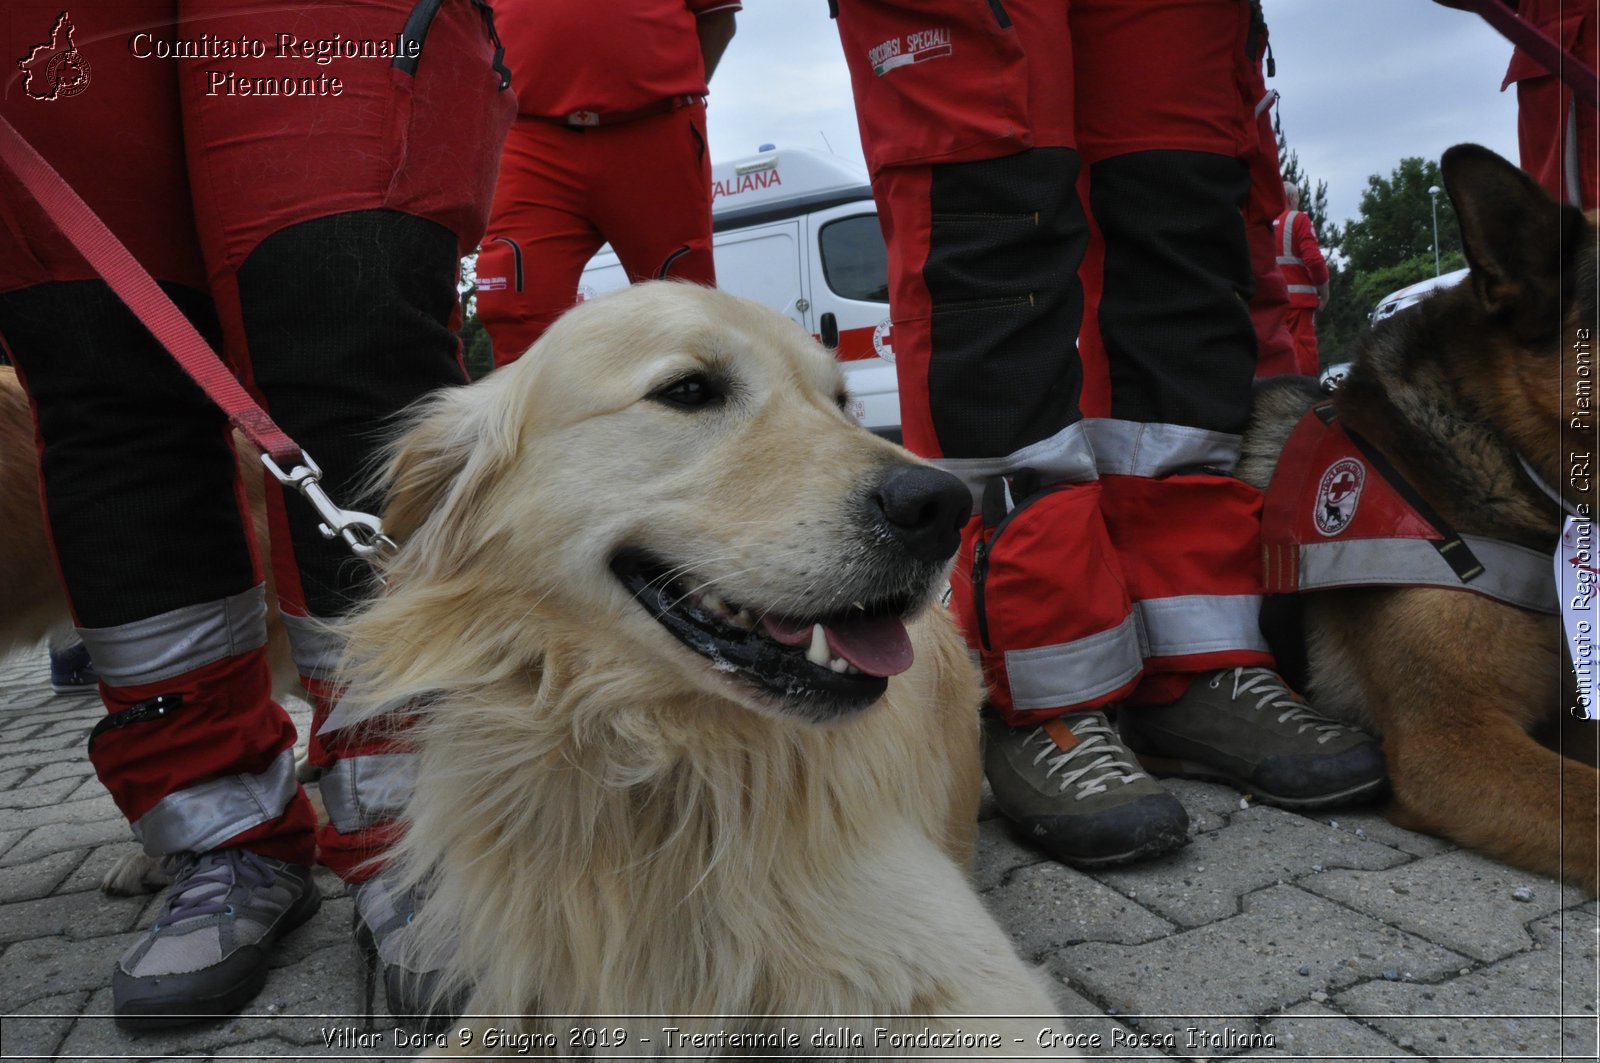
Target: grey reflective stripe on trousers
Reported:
point(1071, 673)
point(170, 644)
point(314, 644)
point(1512, 574)
point(1063, 458)
point(200, 818)
point(1133, 448)
point(363, 790)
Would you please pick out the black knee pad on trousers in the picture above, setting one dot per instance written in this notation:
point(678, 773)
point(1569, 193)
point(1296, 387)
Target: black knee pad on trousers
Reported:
point(1173, 314)
point(347, 319)
point(137, 470)
point(1006, 241)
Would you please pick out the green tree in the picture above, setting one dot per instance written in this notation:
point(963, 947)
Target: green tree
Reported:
point(476, 352)
point(1396, 222)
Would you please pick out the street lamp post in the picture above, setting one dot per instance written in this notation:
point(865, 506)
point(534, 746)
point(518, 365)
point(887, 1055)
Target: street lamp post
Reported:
point(1433, 193)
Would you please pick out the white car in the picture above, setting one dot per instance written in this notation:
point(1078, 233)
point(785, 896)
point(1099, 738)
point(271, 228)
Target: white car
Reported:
point(1394, 302)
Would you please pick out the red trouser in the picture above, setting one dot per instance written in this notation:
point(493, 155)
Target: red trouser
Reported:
point(314, 238)
point(1302, 322)
point(1086, 371)
point(643, 186)
point(1558, 139)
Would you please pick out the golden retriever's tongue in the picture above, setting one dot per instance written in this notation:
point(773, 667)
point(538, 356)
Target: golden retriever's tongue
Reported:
point(877, 645)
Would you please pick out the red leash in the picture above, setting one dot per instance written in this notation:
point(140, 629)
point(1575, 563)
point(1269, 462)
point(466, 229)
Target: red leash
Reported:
point(1546, 52)
point(135, 287)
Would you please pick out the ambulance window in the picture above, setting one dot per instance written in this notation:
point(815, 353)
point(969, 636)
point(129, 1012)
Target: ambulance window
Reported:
point(854, 260)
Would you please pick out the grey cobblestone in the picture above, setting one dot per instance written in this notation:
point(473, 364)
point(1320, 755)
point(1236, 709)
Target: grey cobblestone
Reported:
point(1260, 847)
point(1459, 899)
point(1402, 938)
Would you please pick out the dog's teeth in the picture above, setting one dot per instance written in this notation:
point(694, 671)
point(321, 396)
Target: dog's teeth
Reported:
point(713, 604)
point(817, 652)
point(839, 664)
point(745, 619)
point(850, 669)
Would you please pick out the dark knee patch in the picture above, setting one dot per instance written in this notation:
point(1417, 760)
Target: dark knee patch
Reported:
point(348, 319)
point(1007, 237)
point(138, 473)
point(1174, 314)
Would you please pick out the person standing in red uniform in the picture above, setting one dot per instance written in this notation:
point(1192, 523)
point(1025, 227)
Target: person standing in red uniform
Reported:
point(308, 217)
point(1556, 134)
point(1062, 189)
point(609, 146)
point(1305, 272)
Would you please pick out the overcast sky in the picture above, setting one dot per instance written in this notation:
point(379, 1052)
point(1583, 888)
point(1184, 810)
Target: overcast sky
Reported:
point(1364, 83)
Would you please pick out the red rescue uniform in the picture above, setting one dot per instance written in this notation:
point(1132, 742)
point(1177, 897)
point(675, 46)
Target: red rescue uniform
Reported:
point(609, 146)
point(308, 217)
point(1557, 135)
point(1304, 271)
point(1063, 194)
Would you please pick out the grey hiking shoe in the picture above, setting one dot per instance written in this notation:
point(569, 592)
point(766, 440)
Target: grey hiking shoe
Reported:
point(206, 955)
point(1072, 787)
point(1244, 727)
point(411, 982)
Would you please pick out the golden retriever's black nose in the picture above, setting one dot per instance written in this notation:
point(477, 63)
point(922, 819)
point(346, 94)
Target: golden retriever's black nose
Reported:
point(925, 509)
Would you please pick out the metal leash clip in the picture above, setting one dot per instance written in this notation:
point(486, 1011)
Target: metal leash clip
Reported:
point(362, 532)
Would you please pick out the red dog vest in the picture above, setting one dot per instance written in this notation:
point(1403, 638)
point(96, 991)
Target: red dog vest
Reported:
point(1339, 515)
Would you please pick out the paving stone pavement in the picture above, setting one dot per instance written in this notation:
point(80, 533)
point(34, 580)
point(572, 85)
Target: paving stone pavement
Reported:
point(1271, 935)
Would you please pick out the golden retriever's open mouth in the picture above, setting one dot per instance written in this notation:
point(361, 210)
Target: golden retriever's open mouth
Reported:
point(822, 667)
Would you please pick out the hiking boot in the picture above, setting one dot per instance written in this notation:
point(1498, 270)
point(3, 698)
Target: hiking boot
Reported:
point(412, 983)
point(1244, 727)
point(206, 955)
point(1073, 788)
point(71, 671)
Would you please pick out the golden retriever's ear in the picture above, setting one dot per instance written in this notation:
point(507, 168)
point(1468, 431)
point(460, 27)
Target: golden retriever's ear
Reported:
point(1517, 239)
point(428, 465)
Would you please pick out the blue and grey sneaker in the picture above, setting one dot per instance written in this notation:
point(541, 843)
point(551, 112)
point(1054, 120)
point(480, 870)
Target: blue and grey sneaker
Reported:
point(414, 984)
point(206, 955)
point(71, 671)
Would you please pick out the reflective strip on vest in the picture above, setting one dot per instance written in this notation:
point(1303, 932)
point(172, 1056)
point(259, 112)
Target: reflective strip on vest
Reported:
point(1287, 256)
point(315, 646)
point(170, 644)
point(1132, 448)
point(362, 790)
point(1304, 289)
point(1063, 458)
point(1512, 574)
point(1071, 673)
point(1052, 677)
point(200, 818)
point(1189, 624)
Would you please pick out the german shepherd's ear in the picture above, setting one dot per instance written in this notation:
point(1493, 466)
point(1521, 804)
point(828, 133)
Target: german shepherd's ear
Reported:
point(1517, 240)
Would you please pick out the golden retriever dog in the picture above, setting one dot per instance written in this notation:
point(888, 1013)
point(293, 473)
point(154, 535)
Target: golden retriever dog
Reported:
point(1481, 397)
point(694, 738)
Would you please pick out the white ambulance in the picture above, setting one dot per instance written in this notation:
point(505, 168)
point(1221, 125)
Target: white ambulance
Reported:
point(797, 230)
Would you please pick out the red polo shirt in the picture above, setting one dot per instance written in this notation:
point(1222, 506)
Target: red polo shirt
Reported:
point(620, 55)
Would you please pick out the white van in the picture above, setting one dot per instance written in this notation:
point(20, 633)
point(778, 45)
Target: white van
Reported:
point(797, 230)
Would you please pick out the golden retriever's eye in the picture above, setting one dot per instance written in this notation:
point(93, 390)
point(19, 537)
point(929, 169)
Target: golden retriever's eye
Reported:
point(842, 400)
point(691, 392)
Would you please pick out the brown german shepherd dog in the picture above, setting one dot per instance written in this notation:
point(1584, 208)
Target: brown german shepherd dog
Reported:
point(1462, 394)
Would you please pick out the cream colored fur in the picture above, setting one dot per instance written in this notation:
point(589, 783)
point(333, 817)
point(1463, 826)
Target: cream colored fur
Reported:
point(610, 824)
